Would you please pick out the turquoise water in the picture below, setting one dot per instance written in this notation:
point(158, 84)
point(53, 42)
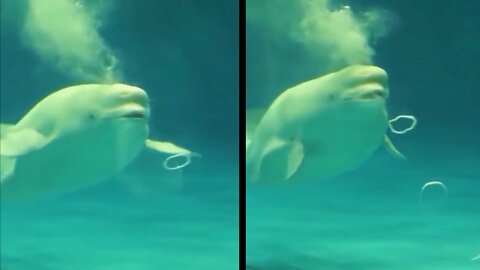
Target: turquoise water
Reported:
point(128, 224)
point(372, 218)
point(185, 55)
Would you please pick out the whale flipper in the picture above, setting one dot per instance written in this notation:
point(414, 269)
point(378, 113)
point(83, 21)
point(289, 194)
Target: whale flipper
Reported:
point(168, 148)
point(392, 149)
point(280, 160)
point(17, 142)
point(14, 143)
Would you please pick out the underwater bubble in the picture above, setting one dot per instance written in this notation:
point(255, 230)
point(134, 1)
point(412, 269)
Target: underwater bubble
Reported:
point(108, 60)
point(405, 130)
point(176, 162)
point(433, 193)
point(79, 3)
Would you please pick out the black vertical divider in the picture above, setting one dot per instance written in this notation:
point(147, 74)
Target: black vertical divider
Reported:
point(242, 128)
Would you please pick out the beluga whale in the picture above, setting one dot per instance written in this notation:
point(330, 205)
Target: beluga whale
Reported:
point(320, 128)
point(75, 137)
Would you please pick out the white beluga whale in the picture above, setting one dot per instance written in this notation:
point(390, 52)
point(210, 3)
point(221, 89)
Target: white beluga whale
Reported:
point(75, 137)
point(320, 128)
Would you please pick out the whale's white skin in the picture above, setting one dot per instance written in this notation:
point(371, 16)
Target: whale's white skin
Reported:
point(320, 128)
point(75, 137)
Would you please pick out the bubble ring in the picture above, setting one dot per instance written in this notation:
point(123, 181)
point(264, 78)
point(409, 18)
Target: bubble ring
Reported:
point(434, 183)
point(411, 117)
point(172, 168)
point(476, 258)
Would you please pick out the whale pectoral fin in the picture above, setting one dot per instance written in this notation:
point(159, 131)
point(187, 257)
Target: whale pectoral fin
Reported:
point(169, 148)
point(392, 149)
point(17, 142)
point(7, 167)
point(280, 160)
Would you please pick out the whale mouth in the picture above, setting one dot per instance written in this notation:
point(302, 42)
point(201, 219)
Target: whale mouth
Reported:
point(374, 94)
point(371, 94)
point(135, 115)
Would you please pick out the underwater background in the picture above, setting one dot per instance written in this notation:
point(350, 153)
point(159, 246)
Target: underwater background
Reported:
point(372, 217)
point(184, 53)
